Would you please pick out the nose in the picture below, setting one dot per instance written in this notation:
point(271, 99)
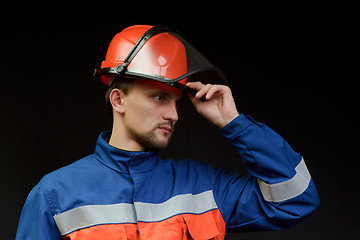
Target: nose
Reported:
point(171, 113)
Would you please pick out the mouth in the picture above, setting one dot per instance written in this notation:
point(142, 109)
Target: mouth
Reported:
point(166, 129)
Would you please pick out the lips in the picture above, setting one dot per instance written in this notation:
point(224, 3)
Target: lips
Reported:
point(165, 129)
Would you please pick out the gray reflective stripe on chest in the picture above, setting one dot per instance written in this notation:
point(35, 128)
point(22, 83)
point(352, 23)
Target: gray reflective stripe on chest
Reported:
point(92, 215)
point(180, 204)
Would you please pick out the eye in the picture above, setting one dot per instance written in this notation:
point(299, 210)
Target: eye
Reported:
point(158, 98)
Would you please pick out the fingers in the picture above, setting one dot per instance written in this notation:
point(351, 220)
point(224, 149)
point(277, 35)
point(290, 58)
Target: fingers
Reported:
point(195, 85)
point(192, 91)
point(213, 91)
point(205, 92)
point(218, 105)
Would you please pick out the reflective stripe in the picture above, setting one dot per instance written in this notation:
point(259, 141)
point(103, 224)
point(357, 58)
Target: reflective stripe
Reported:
point(184, 203)
point(289, 189)
point(92, 215)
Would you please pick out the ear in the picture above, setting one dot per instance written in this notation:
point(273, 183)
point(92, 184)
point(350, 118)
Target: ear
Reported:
point(116, 99)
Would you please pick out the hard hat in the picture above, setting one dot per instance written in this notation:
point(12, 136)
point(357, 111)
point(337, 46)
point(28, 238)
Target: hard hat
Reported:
point(158, 54)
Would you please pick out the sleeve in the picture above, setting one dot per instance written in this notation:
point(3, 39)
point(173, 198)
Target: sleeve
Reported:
point(36, 220)
point(279, 192)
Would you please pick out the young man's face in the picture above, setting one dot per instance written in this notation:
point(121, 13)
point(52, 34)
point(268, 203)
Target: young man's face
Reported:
point(150, 113)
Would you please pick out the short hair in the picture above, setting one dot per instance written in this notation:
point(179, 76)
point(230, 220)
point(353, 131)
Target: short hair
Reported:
point(123, 84)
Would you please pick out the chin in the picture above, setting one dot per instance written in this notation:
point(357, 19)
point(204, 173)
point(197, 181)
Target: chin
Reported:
point(159, 143)
point(153, 140)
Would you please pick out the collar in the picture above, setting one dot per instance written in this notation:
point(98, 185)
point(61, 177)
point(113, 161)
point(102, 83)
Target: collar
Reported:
point(123, 161)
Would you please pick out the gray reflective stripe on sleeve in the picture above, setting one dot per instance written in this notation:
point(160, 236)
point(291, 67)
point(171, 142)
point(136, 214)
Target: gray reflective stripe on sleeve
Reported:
point(289, 189)
point(91, 215)
point(180, 204)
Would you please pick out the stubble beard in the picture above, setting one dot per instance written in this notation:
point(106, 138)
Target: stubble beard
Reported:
point(150, 140)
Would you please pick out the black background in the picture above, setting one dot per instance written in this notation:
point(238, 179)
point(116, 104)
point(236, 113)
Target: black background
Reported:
point(292, 73)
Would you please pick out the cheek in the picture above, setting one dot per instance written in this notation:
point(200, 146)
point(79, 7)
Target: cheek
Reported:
point(141, 116)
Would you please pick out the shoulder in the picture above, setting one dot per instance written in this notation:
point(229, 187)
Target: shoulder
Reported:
point(62, 186)
point(70, 171)
point(70, 176)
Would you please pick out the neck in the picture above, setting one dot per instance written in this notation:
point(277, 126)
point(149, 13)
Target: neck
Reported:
point(120, 138)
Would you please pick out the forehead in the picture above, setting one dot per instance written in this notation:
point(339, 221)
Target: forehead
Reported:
point(153, 86)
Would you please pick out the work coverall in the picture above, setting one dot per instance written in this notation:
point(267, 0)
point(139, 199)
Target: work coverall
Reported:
point(116, 194)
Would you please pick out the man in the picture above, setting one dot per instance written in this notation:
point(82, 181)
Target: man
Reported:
point(125, 191)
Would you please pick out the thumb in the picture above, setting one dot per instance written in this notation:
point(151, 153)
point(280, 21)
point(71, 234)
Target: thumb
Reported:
point(191, 95)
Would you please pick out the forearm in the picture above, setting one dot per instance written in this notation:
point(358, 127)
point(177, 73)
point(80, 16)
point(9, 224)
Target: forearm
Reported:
point(266, 154)
point(280, 176)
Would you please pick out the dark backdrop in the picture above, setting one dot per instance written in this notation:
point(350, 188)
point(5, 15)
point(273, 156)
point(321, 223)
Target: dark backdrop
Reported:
point(290, 73)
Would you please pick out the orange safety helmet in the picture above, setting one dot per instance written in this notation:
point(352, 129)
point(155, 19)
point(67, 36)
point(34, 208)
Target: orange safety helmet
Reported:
point(156, 53)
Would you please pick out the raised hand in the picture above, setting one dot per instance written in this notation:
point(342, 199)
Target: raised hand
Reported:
point(214, 102)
